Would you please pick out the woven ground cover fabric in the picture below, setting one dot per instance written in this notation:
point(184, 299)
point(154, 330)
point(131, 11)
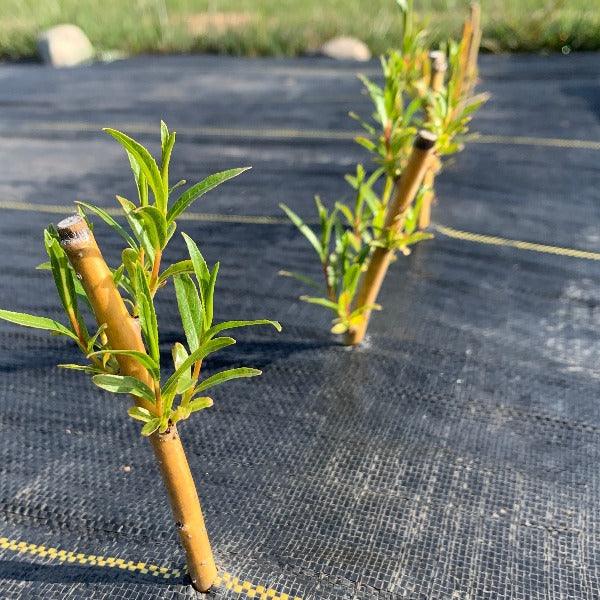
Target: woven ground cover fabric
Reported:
point(455, 455)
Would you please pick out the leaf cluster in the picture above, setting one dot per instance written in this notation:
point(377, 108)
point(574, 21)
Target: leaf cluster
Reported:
point(402, 105)
point(150, 224)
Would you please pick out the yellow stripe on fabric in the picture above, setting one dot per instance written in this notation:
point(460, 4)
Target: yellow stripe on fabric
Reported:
point(268, 220)
point(225, 579)
point(521, 245)
point(276, 133)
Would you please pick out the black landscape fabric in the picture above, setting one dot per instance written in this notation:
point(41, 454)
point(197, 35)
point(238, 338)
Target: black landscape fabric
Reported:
point(455, 456)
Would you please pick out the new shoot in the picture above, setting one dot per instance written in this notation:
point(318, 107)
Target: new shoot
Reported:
point(425, 100)
point(122, 352)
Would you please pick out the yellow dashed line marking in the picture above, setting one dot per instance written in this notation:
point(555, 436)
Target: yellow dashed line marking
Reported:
point(66, 209)
point(226, 580)
point(535, 141)
point(500, 241)
point(268, 220)
point(275, 133)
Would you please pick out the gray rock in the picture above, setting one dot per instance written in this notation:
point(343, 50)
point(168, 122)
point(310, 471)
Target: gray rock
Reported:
point(346, 48)
point(64, 46)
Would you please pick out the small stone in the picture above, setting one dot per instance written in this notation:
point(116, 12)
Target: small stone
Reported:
point(64, 46)
point(126, 469)
point(346, 48)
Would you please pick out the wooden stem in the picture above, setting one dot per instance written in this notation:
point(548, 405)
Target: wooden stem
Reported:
point(123, 333)
point(471, 70)
point(439, 66)
point(406, 190)
point(428, 197)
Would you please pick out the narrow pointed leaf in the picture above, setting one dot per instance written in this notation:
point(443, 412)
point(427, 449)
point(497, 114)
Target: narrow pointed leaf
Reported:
point(147, 165)
point(150, 427)
point(200, 404)
point(200, 266)
point(167, 149)
point(140, 414)
point(320, 301)
point(306, 231)
point(190, 309)
point(216, 329)
point(184, 266)
point(141, 357)
point(199, 189)
point(154, 225)
point(202, 352)
point(85, 368)
point(64, 278)
point(209, 297)
point(179, 354)
point(121, 384)
point(309, 281)
point(140, 180)
point(36, 322)
point(136, 226)
point(224, 376)
point(109, 221)
point(147, 314)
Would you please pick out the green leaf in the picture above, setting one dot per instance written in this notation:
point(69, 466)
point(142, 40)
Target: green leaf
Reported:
point(141, 357)
point(306, 231)
point(177, 185)
point(209, 295)
point(36, 322)
point(180, 354)
point(224, 376)
point(109, 221)
point(94, 338)
point(136, 226)
point(140, 180)
point(140, 414)
point(150, 427)
point(167, 148)
point(309, 281)
point(85, 368)
point(207, 348)
point(199, 404)
point(339, 328)
point(147, 314)
point(199, 189)
point(147, 166)
point(190, 309)
point(200, 267)
point(321, 302)
point(154, 225)
point(235, 324)
point(64, 279)
point(184, 266)
point(164, 134)
point(351, 278)
point(123, 384)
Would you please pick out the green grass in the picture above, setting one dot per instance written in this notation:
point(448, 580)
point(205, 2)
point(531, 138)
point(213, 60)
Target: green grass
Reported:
point(291, 27)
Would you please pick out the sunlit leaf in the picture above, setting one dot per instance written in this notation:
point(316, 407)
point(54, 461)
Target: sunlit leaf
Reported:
point(190, 309)
point(224, 376)
point(196, 191)
point(147, 165)
point(36, 322)
point(123, 384)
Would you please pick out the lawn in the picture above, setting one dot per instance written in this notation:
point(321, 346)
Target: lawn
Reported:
point(291, 27)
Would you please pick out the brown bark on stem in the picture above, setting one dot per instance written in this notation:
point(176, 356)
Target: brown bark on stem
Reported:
point(406, 190)
point(475, 43)
point(123, 333)
point(439, 66)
